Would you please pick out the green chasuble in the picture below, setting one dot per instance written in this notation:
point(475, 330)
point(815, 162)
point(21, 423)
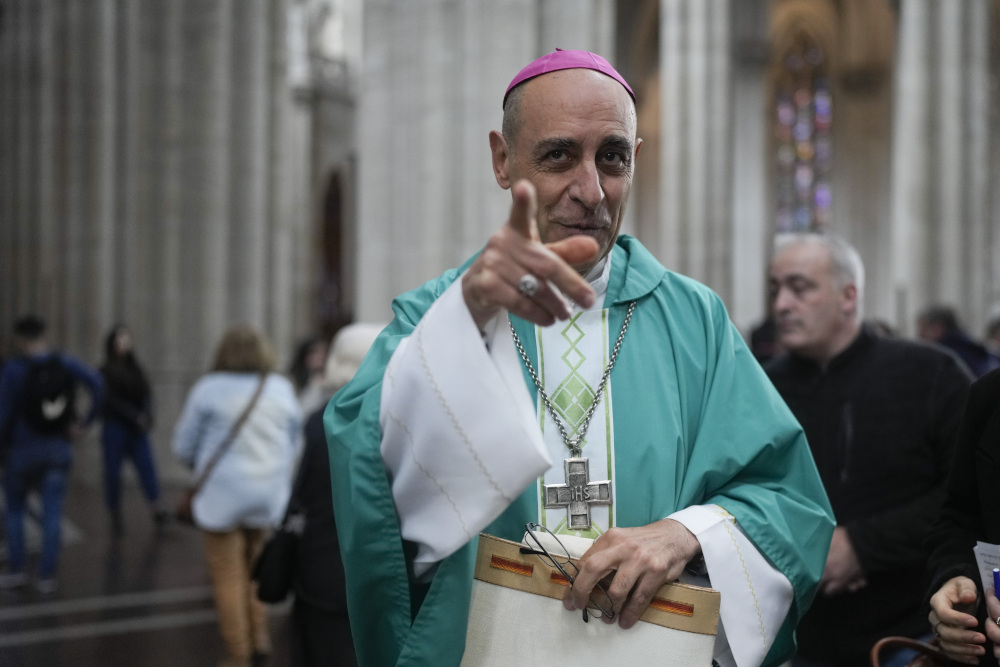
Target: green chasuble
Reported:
point(696, 422)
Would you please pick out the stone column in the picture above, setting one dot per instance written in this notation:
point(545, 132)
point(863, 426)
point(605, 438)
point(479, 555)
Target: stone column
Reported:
point(941, 192)
point(577, 24)
point(695, 155)
point(85, 142)
point(199, 111)
point(288, 238)
point(910, 155)
point(981, 247)
point(23, 68)
point(249, 201)
point(8, 130)
point(143, 146)
point(751, 229)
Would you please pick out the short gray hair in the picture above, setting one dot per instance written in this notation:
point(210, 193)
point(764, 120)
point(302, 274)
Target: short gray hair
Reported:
point(848, 269)
point(512, 116)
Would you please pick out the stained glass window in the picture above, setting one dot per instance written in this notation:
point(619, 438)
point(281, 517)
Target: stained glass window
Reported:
point(803, 116)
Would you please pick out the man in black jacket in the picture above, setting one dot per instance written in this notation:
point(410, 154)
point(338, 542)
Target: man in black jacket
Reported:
point(880, 415)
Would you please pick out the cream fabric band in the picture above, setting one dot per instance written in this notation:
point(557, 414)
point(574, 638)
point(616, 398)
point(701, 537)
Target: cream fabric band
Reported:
point(675, 605)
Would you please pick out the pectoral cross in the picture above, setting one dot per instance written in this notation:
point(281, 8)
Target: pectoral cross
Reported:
point(578, 493)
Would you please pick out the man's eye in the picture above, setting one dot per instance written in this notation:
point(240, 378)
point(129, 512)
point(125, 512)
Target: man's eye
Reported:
point(799, 289)
point(558, 155)
point(614, 160)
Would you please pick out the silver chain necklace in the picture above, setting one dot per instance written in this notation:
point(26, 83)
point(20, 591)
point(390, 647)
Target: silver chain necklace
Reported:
point(573, 444)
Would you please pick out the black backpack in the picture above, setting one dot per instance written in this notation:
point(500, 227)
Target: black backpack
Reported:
point(49, 396)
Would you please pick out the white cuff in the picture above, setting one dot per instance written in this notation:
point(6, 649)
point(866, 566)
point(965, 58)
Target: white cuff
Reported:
point(756, 597)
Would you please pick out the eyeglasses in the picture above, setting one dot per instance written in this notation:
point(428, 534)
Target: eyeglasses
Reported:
point(559, 559)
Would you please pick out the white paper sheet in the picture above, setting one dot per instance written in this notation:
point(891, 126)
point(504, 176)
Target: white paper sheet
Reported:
point(987, 558)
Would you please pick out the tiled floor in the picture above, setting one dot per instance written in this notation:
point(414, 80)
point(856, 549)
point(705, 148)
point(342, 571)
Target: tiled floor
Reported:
point(141, 600)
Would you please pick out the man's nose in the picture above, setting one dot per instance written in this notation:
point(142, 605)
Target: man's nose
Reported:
point(782, 300)
point(586, 187)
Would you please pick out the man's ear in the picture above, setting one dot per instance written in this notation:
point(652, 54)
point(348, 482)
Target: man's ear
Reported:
point(498, 147)
point(850, 296)
point(638, 145)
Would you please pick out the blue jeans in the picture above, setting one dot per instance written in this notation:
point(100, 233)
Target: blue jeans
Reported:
point(119, 441)
point(51, 484)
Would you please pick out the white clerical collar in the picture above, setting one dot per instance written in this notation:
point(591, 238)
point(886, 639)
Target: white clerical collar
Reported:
point(599, 277)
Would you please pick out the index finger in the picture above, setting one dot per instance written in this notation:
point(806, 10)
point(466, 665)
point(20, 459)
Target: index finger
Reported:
point(993, 609)
point(524, 210)
point(561, 274)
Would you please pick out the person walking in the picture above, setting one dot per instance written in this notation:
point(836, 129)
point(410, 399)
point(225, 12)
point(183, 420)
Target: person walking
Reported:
point(128, 417)
point(38, 424)
point(243, 403)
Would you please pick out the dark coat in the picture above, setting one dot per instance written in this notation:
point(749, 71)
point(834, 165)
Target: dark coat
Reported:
point(319, 572)
point(129, 397)
point(321, 632)
point(971, 510)
point(881, 421)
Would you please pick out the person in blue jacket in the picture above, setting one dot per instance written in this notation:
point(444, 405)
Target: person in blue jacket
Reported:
point(38, 424)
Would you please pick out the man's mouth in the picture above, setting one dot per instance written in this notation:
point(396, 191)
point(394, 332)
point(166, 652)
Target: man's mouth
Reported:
point(583, 226)
point(788, 325)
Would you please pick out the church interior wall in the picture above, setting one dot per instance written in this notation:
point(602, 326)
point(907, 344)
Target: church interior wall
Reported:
point(156, 172)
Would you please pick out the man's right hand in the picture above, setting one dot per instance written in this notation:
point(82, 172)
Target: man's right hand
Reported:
point(516, 249)
point(952, 620)
point(842, 573)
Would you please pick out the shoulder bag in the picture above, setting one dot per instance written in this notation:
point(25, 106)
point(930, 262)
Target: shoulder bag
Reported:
point(929, 654)
point(274, 569)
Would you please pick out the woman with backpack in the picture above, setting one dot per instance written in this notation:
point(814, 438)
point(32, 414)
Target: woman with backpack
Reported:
point(128, 416)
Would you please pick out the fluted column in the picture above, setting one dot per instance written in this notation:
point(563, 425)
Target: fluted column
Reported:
point(751, 231)
point(199, 151)
point(944, 246)
point(695, 235)
point(8, 130)
point(290, 280)
point(577, 24)
point(980, 249)
point(21, 49)
point(154, 169)
point(248, 122)
point(86, 146)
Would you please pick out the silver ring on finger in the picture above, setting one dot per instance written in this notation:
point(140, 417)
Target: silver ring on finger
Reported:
point(998, 620)
point(528, 285)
